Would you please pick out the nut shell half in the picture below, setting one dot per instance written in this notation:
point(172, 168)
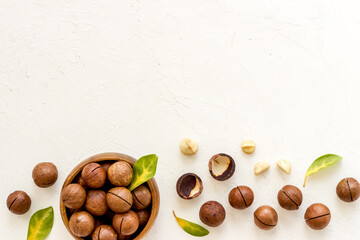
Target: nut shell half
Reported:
point(221, 166)
point(189, 186)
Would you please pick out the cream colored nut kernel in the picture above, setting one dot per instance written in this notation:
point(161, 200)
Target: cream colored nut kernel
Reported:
point(261, 167)
point(248, 146)
point(188, 146)
point(284, 165)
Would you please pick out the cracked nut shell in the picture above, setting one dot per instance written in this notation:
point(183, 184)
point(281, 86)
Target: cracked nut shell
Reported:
point(141, 197)
point(104, 232)
point(94, 175)
point(189, 186)
point(265, 217)
point(96, 202)
point(348, 189)
point(290, 197)
point(144, 216)
point(45, 174)
point(120, 174)
point(18, 202)
point(126, 223)
point(241, 197)
point(212, 213)
point(317, 216)
point(73, 196)
point(221, 166)
point(119, 199)
point(81, 224)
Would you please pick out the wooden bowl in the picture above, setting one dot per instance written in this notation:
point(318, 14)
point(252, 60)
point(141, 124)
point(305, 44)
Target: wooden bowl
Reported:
point(113, 157)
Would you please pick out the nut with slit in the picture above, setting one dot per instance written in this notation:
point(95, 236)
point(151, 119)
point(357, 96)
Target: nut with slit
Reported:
point(290, 197)
point(317, 216)
point(221, 166)
point(265, 217)
point(241, 197)
point(348, 189)
point(119, 199)
point(189, 186)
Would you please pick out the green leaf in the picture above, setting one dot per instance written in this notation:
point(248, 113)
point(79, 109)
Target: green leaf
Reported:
point(144, 169)
point(322, 162)
point(40, 224)
point(191, 228)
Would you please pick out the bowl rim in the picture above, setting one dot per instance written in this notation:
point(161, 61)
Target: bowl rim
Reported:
point(112, 156)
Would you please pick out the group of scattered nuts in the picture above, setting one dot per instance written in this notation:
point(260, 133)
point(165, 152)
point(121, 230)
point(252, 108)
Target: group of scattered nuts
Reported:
point(44, 175)
point(222, 167)
point(100, 205)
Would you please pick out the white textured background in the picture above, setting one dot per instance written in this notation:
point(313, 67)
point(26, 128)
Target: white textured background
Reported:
point(82, 77)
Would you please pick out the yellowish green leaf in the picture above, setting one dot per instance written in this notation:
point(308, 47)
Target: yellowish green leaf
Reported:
point(191, 228)
point(322, 162)
point(144, 169)
point(40, 224)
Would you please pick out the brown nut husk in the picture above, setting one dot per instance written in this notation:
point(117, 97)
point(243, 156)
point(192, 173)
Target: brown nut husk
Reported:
point(94, 175)
point(124, 237)
point(189, 186)
point(126, 223)
point(45, 174)
point(317, 216)
point(141, 197)
point(212, 213)
point(81, 181)
point(73, 196)
point(106, 165)
point(221, 166)
point(265, 217)
point(144, 216)
point(290, 197)
point(120, 174)
point(18, 202)
point(241, 197)
point(104, 232)
point(348, 189)
point(96, 202)
point(119, 199)
point(81, 224)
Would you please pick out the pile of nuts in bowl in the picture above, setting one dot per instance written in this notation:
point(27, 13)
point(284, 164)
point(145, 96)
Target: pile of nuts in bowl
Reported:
point(222, 167)
point(99, 205)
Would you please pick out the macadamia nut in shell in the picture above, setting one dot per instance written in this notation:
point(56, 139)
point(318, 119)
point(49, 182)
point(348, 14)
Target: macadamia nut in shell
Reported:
point(18, 202)
point(126, 223)
point(212, 213)
point(45, 174)
point(81, 224)
point(120, 174)
point(73, 196)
